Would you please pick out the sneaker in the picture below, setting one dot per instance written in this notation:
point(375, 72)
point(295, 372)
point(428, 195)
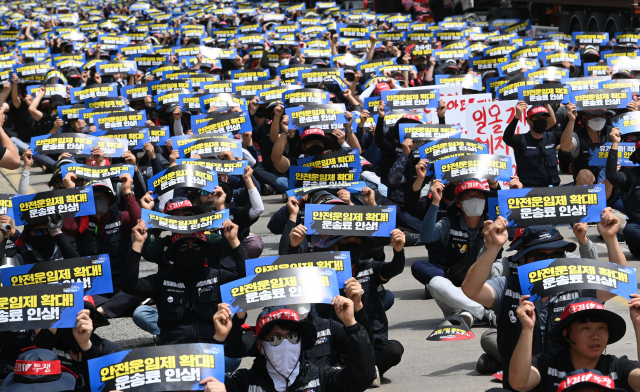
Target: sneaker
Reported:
point(488, 364)
point(466, 316)
point(267, 190)
point(376, 382)
point(490, 316)
point(412, 239)
point(427, 293)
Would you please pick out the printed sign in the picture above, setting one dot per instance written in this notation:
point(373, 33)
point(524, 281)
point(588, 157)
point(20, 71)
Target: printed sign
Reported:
point(552, 206)
point(484, 166)
point(281, 287)
point(373, 221)
point(177, 367)
point(94, 272)
point(108, 121)
point(351, 187)
point(338, 261)
point(343, 158)
point(402, 99)
point(547, 93)
point(544, 278)
point(600, 154)
point(453, 328)
point(427, 132)
point(184, 224)
point(66, 202)
point(301, 176)
point(40, 306)
point(57, 143)
point(231, 122)
point(212, 147)
point(326, 117)
point(182, 176)
point(305, 96)
point(601, 99)
point(235, 168)
point(453, 147)
point(627, 122)
point(90, 172)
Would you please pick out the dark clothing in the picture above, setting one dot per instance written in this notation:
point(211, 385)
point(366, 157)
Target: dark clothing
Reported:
point(186, 300)
point(584, 153)
point(628, 182)
point(22, 120)
point(356, 376)
point(62, 250)
point(11, 345)
point(553, 367)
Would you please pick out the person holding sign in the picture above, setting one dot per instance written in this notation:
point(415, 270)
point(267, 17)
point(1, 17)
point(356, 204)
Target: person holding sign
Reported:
point(187, 295)
point(281, 338)
point(584, 331)
point(42, 241)
point(535, 151)
point(501, 294)
point(628, 182)
point(453, 245)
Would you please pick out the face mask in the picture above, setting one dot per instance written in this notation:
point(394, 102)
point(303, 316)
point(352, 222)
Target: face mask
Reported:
point(421, 67)
point(188, 260)
point(353, 248)
point(539, 126)
point(316, 149)
point(473, 207)
point(102, 205)
point(283, 363)
point(44, 244)
point(597, 123)
point(284, 62)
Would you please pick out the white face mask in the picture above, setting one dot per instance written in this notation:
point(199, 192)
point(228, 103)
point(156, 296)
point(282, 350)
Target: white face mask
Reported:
point(473, 207)
point(283, 362)
point(597, 123)
point(284, 62)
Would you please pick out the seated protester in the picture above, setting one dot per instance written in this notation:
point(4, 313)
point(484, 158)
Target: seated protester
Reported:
point(186, 296)
point(42, 241)
point(453, 244)
point(9, 234)
point(107, 231)
point(591, 128)
point(76, 346)
point(490, 362)
point(535, 151)
point(371, 275)
point(292, 211)
point(150, 160)
point(40, 110)
point(584, 331)
point(242, 215)
point(282, 339)
point(501, 294)
point(331, 335)
point(426, 71)
point(58, 378)
point(154, 247)
point(9, 156)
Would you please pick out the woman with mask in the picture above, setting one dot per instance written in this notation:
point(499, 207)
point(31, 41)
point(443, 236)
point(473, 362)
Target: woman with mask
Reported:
point(535, 151)
point(591, 128)
point(453, 245)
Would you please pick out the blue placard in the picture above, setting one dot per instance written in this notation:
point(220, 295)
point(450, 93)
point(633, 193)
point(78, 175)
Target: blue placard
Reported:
point(484, 166)
point(344, 158)
point(182, 176)
point(71, 202)
point(338, 261)
point(221, 144)
point(93, 92)
point(136, 139)
point(93, 272)
point(406, 99)
point(121, 120)
point(545, 278)
point(627, 122)
point(492, 203)
point(186, 224)
point(598, 155)
point(334, 219)
point(351, 187)
point(566, 204)
point(90, 172)
point(349, 175)
point(232, 168)
point(466, 81)
point(588, 38)
point(601, 99)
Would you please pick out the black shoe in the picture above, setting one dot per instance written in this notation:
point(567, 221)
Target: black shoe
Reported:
point(267, 190)
point(488, 364)
point(412, 239)
point(427, 293)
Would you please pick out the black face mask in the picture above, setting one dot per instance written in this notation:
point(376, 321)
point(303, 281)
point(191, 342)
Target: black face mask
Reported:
point(188, 260)
point(102, 205)
point(539, 126)
point(421, 67)
point(353, 248)
point(449, 192)
point(65, 341)
point(44, 244)
point(316, 149)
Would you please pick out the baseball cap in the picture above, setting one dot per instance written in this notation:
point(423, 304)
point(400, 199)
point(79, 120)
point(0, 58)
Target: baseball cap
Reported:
point(450, 64)
point(319, 62)
point(537, 110)
point(178, 238)
point(58, 170)
point(380, 87)
point(177, 203)
point(468, 185)
point(289, 319)
point(580, 378)
point(41, 370)
point(623, 73)
point(312, 134)
point(540, 237)
point(105, 183)
point(585, 306)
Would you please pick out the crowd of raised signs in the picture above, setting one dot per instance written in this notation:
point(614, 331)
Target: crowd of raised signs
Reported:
point(164, 123)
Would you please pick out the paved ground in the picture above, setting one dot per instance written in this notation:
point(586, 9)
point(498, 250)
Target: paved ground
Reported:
point(443, 366)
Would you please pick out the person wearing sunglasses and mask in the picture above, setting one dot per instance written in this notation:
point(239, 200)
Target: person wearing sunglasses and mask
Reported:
point(535, 151)
point(502, 294)
point(107, 231)
point(281, 339)
point(453, 244)
point(42, 241)
point(576, 139)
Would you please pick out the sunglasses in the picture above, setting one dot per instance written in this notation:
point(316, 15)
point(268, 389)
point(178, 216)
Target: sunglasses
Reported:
point(204, 193)
point(277, 339)
point(558, 254)
point(186, 245)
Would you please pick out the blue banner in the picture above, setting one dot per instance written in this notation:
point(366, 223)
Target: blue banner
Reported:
point(343, 158)
point(328, 219)
point(484, 166)
point(71, 202)
point(601, 99)
point(406, 99)
point(627, 122)
point(303, 176)
point(182, 176)
point(600, 154)
point(90, 172)
point(184, 224)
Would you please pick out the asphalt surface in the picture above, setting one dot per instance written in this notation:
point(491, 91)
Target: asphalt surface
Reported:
point(440, 366)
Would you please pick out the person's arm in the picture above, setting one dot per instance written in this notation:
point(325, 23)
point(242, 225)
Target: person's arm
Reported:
point(619, 179)
point(551, 121)
point(386, 271)
point(566, 141)
point(14, 91)
point(33, 108)
point(257, 207)
point(429, 232)
point(383, 145)
point(523, 376)
point(280, 162)
point(55, 230)
point(634, 311)
point(133, 208)
point(372, 48)
point(366, 93)
point(230, 232)
point(144, 287)
point(510, 138)
point(5, 93)
point(608, 228)
point(474, 285)
point(275, 129)
point(9, 158)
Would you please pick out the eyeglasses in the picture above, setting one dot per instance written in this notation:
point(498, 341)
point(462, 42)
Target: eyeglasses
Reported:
point(39, 232)
point(204, 193)
point(277, 339)
point(558, 254)
point(186, 245)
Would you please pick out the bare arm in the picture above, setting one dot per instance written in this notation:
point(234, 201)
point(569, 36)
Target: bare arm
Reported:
point(608, 228)
point(33, 108)
point(11, 158)
point(14, 91)
point(566, 141)
point(280, 162)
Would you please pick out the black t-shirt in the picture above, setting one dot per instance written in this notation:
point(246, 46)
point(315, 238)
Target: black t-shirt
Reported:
point(22, 120)
point(554, 367)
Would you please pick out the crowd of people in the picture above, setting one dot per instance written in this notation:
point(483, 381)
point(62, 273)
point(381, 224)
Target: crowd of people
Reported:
point(57, 67)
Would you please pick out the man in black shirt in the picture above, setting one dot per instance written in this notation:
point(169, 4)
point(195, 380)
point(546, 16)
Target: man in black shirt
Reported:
point(535, 151)
point(585, 328)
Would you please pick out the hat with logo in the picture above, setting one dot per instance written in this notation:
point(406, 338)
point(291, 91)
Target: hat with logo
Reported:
point(581, 378)
point(537, 110)
point(41, 370)
point(177, 203)
point(471, 184)
point(286, 319)
point(585, 306)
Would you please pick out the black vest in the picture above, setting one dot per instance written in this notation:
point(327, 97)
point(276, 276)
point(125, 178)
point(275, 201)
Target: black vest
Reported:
point(509, 326)
point(538, 166)
point(320, 353)
point(632, 204)
point(582, 160)
point(186, 306)
point(372, 300)
point(115, 242)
